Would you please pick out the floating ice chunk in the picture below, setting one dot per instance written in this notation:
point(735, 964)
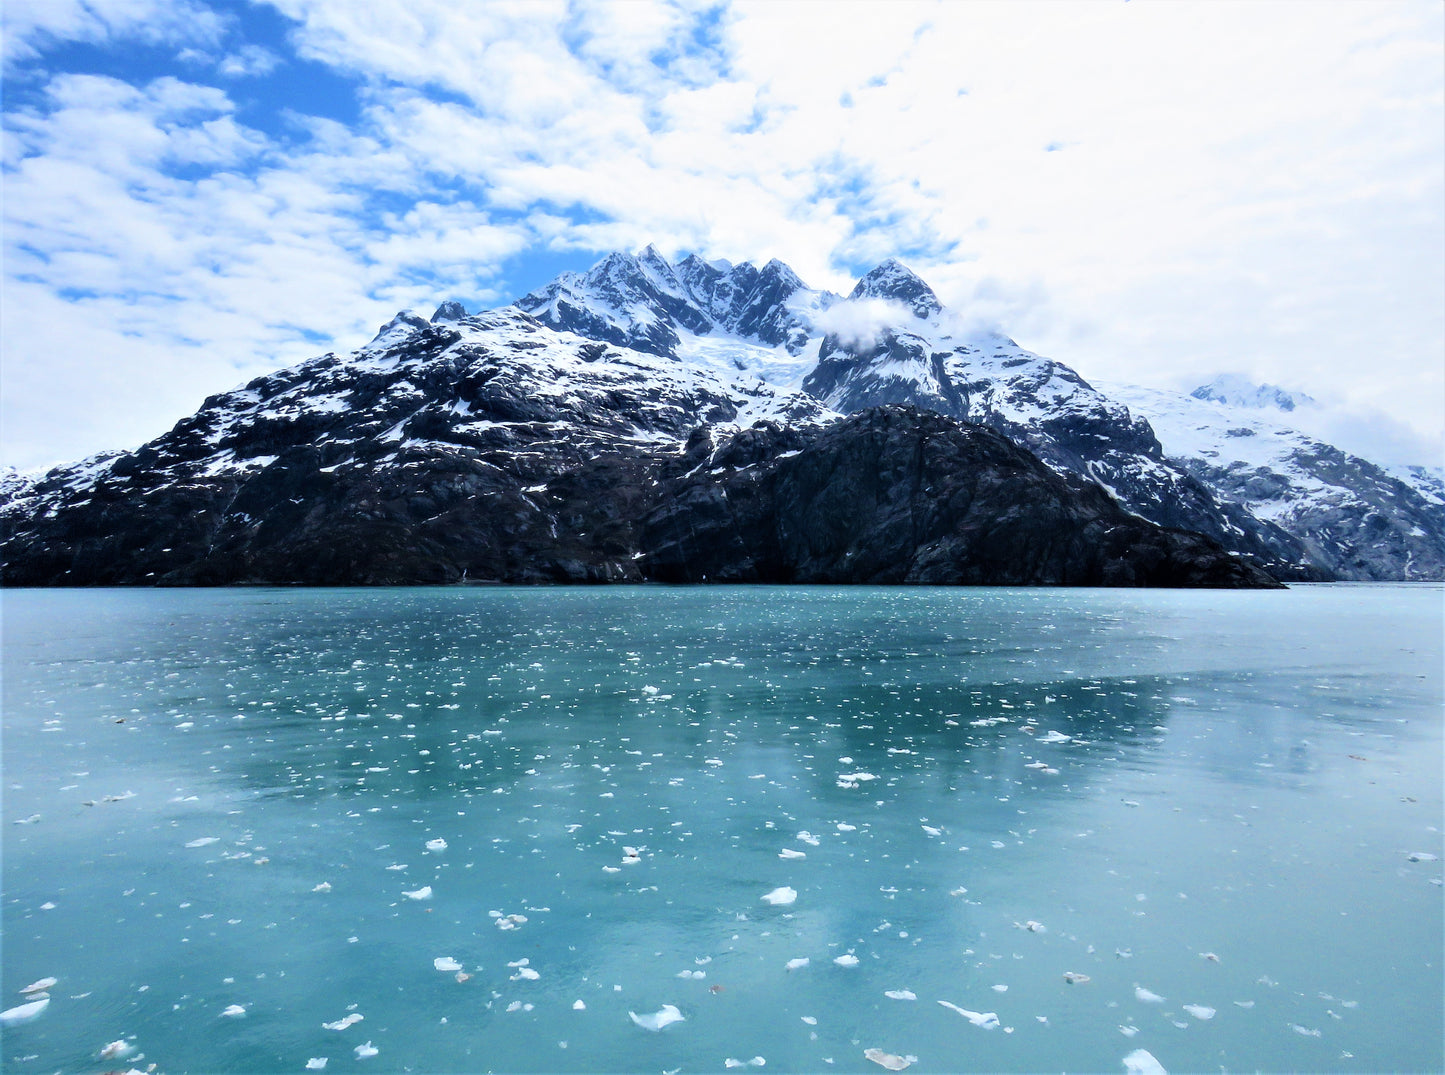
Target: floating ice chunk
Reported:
point(365, 1051)
point(797, 964)
point(203, 841)
point(843, 826)
point(789, 853)
point(755, 1062)
point(1421, 856)
point(234, 1011)
point(316, 1063)
point(664, 1016)
point(344, 1022)
point(999, 988)
point(1142, 1062)
point(578, 1006)
point(1209, 956)
point(446, 964)
point(900, 994)
point(781, 897)
point(1304, 1030)
point(847, 959)
point(1140, 993)
point(1053, 737)
point(31, 820)
point(611, 869)
point(987, 1020)
point(932, 831)
point(325, 886)
point(810, 1020)
point(436, 845)
point(41, 986)
point(1033, 927)
point(1128, 1031)
point(1076, 979)
point(423, 893)
point(631, 856)
point(891, 1061)
point(696, 975)
point(116, 1049)
point(808, 838)
point(959, 891)
point(1244, 1003)
point(1199, 1011)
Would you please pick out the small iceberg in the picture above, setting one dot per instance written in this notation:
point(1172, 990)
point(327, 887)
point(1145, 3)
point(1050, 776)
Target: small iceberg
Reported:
point(987, 1020)
point(1148, 997)
point(847, 959)
point(436, 845)
point(900, 994)
point(344, 1022)
point(24, 1013)
point(423, 893)
point(204, 841)
point(316, 1063)
point(42, 986)
point(891, 1061)
point(1142, 1062)
point(797, 964)
point(655, 1021)
point(755, 1062)
point(789, 853)
point(115, 1050)
point(365, 1051)
point(781, 897)
point(234, 1011)
point(446, 964)
point(325, 886)
point(1199, 1011)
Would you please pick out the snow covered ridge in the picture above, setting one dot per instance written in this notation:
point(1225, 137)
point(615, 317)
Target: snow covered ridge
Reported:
point(630, 359)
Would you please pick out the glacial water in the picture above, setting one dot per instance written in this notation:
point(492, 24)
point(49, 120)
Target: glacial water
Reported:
point(653, 829)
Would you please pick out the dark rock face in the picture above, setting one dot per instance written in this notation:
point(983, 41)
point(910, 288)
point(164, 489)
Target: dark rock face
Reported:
point(1051, 410)
point(902, 495)
point(893, 280)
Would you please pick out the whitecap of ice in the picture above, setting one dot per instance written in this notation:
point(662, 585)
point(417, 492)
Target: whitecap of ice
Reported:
point(664, 1016)
point(781, 897)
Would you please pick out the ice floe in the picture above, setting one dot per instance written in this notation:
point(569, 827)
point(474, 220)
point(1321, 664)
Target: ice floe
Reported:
point(781, 897)
point(755, 1062)
point(115, 1050)
point(24, 1013)
point(1074, 978)
point(847, 959)
point(1147, 996)
point(204, 841)
point(436, 845)
point(987, 1020)
point(664, 1016)
point(365, 1051)
point(41, 986)
point(797, 964)
point(316, 1063)
point(446, 964)
point(900, 994)
point(324, 886)
point(1199, 1011)
point(344, 1022)
point(789, 853)
point(1142, 1062)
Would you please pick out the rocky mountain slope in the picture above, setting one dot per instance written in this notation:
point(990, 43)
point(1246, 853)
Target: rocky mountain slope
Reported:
point(494, 448)
point(543, 441)
point(1358, 519)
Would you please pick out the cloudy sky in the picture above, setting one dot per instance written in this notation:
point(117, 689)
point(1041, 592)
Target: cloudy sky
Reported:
point(196, 191)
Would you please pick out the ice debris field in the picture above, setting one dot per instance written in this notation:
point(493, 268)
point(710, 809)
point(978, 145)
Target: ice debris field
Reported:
point(696, 830)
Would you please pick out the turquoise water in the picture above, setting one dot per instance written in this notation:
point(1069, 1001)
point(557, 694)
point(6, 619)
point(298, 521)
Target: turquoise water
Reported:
point(1217, 806)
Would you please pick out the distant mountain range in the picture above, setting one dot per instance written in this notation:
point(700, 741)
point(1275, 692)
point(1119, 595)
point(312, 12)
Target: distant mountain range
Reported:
point(651, 420)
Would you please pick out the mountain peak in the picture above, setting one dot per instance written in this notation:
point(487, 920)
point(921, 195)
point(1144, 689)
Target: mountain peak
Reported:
point(895, 281)
point(1239, 391)
point(451, 310)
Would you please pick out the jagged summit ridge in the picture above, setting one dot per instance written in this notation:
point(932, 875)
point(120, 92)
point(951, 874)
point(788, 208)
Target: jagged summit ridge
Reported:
point(1239, 391)
point(894, 281)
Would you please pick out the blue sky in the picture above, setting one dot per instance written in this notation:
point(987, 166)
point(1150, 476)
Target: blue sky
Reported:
point(200, 190)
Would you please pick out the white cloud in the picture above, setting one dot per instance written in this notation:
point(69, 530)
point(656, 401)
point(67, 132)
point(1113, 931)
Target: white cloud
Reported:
point(1231, 186)
point(31, 25)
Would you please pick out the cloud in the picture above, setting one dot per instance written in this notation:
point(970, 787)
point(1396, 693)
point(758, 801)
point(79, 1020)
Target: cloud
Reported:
point(34, 25)
point(863, 321)
point(1240, 188)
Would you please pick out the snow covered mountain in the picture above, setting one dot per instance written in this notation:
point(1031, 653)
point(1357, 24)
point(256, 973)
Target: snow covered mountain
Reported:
point(495, 448)
point(1357, 518)
point(645, 416)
